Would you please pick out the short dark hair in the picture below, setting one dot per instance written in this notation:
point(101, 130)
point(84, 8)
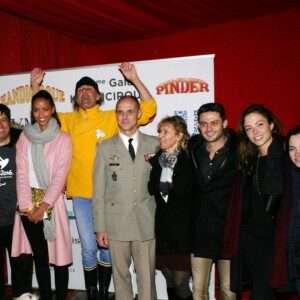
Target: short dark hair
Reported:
point(43, 94)
point(212, 107)
point(295, 130)
point(5, 110)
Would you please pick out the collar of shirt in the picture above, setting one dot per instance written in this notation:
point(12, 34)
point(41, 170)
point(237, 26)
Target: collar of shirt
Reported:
point(219, 152)
point(209, 166)
point(125, 139)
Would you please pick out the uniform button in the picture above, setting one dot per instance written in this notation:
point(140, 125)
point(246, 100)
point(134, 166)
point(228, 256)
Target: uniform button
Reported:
point(134, 178)
point(134, 191)
point(134, 203)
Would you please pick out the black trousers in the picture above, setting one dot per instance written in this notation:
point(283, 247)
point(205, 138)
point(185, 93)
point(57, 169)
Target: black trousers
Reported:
point(39, 248)
point(257, 258)
point(21, 267)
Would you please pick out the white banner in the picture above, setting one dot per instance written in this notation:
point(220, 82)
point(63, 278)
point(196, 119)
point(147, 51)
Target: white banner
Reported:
point(179, 85)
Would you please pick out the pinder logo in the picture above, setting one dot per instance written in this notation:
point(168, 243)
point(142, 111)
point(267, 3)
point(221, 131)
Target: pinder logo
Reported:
point(3, 163)
point(182, 86)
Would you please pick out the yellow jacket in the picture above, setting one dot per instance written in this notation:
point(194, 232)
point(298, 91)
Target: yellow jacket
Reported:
point(87, 128)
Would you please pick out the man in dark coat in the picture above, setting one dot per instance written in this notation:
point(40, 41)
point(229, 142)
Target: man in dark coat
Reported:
point(213, 163)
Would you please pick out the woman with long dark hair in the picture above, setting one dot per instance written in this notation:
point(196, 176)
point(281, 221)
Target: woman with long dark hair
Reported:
point(44, 154)
point(293, 148)
point(251, 219)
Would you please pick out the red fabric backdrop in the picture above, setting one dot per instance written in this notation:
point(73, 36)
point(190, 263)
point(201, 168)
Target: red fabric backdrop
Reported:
point(257, 61)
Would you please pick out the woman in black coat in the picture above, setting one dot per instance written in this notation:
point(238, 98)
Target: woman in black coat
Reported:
point(170, 183)
point(252, 214)
point(293, 146)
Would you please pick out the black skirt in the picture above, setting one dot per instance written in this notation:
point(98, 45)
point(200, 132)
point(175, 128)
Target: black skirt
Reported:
point(174, 262)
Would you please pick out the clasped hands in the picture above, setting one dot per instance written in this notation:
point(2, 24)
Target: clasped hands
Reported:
point(37, 214)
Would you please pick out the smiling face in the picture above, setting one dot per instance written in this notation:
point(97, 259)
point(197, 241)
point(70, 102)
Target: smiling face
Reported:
point(87, 96)
point(294, 149)
point(4, 129)
point(259, 131)
point(168, 137)
point(42, 112)
point(211, 126)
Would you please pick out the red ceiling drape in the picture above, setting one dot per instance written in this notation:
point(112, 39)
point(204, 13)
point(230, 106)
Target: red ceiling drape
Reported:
point(256, 60)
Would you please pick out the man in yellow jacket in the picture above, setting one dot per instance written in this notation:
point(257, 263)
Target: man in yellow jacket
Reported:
point(87, 126)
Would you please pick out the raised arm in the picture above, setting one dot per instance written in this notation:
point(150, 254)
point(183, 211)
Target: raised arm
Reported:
point(130, 73)
point(36, 79)
point(148, 103)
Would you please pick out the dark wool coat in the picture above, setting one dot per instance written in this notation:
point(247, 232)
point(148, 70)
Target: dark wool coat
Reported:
point(279, 276)
point(210, 200)
point(172, 217)
point(294, 226)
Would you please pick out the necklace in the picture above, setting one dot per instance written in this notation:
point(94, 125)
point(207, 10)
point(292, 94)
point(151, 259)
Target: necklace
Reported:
point(256, 175)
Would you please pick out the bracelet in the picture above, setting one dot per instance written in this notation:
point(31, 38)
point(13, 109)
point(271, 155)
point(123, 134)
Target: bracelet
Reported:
point(28, 210)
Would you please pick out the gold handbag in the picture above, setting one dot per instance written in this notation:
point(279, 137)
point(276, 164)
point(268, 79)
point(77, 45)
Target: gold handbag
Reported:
point(37, 197)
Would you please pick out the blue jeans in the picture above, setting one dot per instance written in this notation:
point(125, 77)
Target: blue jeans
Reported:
point(84, 219)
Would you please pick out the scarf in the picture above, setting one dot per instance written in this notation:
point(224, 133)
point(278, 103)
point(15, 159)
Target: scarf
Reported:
point(167, 162)
point(38, 138)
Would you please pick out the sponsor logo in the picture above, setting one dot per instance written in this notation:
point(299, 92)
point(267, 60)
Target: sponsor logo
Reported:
point(182, 86)
point(23, 95)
